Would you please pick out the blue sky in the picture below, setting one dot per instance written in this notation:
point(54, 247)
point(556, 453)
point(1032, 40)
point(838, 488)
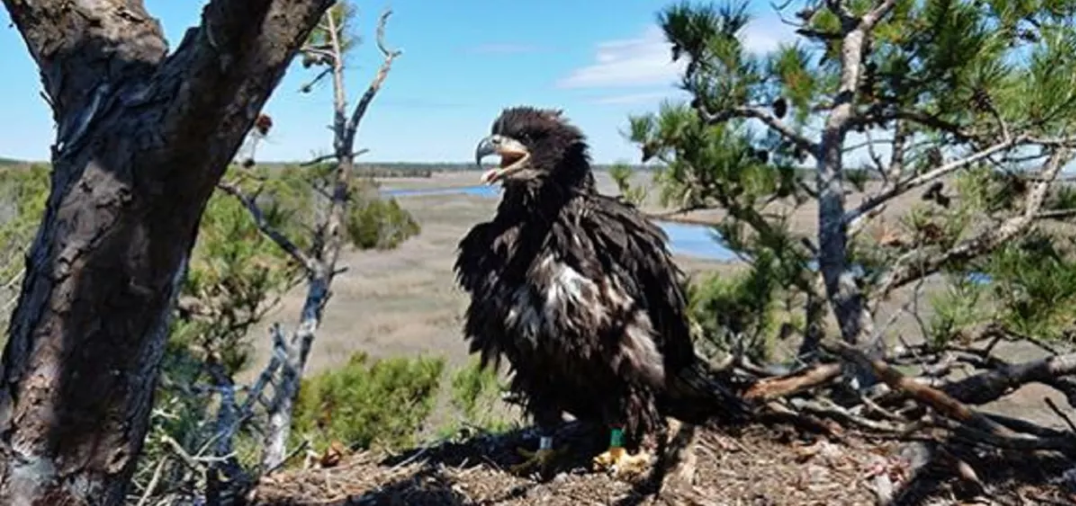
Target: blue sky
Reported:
point(463, 61)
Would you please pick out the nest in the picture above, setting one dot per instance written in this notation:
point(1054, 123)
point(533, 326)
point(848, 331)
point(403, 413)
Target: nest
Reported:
point(750, 465)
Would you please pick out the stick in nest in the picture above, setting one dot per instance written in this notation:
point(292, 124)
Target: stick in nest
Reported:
point(977, 427)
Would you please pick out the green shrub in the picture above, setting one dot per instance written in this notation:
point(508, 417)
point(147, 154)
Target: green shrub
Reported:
point(740, 313)
point(377, 223)
point(368, 403)
point(621, 174)
point(476, 394)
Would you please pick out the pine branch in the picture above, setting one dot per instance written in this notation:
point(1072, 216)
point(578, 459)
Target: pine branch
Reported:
point(911, 268)
point(749, 112)
point(921, 118)
point(856, 218)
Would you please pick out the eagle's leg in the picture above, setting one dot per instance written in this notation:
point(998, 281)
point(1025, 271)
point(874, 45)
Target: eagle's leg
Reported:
point(542, 459)
point(618, 460)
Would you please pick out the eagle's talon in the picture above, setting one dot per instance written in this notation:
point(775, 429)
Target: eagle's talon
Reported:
point(540, 460)
point(620, 463)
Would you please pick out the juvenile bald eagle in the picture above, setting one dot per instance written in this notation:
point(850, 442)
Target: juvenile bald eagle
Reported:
point(579, 293)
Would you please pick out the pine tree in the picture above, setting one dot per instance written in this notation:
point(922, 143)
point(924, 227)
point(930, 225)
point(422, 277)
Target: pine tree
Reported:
point(949, 122)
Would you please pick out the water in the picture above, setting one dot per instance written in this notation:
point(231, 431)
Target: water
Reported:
point(477, 191)
point(684, 239)
point(687, 239)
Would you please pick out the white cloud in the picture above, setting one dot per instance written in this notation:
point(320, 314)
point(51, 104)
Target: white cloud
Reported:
point(641, 61)
point(634, 98)
point(646, 60)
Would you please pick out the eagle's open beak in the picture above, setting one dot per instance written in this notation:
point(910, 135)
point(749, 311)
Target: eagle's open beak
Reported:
point(514, 156)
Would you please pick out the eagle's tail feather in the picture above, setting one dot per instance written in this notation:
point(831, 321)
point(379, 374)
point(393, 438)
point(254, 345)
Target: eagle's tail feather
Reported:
point(698, 394)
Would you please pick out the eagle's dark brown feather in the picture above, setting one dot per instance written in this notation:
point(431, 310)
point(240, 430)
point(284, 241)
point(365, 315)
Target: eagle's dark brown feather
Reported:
point(579, 292)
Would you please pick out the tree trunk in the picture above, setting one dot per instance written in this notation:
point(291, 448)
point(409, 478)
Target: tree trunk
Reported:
point(142, 139)
point(329, 240)
point(849, 305)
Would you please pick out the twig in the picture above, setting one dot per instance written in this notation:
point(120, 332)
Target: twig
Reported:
point(906, 272)
point(157, 472)
point(1061, 414)
point(826, 408)
point(332, 156)
point(298, 449)
point(1055, 214)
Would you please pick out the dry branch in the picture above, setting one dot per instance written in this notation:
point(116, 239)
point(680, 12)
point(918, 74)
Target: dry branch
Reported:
point(328, 241)
point(773, 388)
point(272, 233)
point(991, 385)
point(974, 426)
point(375, 85)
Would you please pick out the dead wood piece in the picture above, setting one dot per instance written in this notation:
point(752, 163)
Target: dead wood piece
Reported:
point(783, 386)
point(828, 409)
point(975, 427)
point(991, 385)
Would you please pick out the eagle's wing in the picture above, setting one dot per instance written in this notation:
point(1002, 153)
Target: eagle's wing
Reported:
point(624, 243)
point(478, 267)
point(474, 264)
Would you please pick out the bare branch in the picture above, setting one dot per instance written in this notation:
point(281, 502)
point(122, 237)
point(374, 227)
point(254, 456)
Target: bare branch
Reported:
point(991, 385)
point(1056, 214)
point(339, 97)
point(977, 425)
point(916, 266)
point(1061, 414)
point(375, 85)
point(878, 164)
point(332, 156)
point(272, 233)
point(782, 386)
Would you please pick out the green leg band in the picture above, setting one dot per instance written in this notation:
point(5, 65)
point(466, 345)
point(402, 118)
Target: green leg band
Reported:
point(616, 438)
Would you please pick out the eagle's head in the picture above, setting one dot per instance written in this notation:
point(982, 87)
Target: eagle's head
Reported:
point(536, 146)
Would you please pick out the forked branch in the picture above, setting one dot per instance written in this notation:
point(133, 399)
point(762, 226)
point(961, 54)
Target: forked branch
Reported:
point(974, 424)
point(375, 85)
point(856, 216)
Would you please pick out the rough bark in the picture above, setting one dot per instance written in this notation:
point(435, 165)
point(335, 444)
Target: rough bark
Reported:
point(142, 138)
point(847, 300)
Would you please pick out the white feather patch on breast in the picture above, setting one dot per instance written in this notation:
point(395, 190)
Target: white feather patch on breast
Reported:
point(573, 302)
